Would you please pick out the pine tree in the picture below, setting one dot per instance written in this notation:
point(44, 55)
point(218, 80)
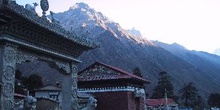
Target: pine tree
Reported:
point(214, 100)
point(34, 81)
point(164, 83)
point(137, 72)
point(189, 96)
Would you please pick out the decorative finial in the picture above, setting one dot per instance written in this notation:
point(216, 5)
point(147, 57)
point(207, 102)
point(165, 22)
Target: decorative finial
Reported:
point(44, 6)
point(13, 1)
point(53, 19)
point(31, 8)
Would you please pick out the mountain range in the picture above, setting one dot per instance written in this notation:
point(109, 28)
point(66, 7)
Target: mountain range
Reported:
point(217, 51)
point(128, 49)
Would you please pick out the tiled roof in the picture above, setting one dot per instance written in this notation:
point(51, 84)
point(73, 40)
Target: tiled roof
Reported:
point(48, 88)
point(106, 76)
point(159, 102)
point(45, 23)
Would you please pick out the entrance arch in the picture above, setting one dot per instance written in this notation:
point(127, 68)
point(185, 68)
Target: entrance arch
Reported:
point(26, 36)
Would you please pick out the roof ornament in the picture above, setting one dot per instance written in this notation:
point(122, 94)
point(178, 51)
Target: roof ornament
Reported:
point(44, 6)
point(31, 8)
point(13, 1)
point(54, 20)
point(139, 92)
point(30, 103)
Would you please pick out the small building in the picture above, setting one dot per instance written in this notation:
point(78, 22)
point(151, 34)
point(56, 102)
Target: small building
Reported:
point(161, 104)
point(49, 91)
point(49, 98)
point(114, 88)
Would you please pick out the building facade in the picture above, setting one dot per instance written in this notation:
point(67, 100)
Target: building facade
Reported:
point(113, 88)
point(50, 91)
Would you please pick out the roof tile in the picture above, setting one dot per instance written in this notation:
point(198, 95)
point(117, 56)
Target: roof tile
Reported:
point(159, 102)
point(87, 75)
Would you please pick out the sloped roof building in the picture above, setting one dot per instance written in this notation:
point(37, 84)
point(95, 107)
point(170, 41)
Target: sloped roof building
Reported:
point(114, 89)
point(161, 104)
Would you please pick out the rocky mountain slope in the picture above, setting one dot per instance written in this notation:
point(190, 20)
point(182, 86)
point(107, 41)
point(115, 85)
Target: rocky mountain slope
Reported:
point(120, 48)
point(208, 63)
point(135, 32)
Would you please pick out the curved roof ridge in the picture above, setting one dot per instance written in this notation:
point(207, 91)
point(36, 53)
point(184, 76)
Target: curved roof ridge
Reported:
point(44, 23)
point(123, 74)
point(49, 87)
point(123, 71)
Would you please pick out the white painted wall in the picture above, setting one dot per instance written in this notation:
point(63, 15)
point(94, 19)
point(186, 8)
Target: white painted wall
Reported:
point(48, 93)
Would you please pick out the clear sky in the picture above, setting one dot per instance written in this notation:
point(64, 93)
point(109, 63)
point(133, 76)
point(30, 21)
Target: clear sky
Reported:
point(194, 24)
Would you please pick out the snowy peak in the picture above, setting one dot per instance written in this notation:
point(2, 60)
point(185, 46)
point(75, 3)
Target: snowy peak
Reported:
point(217, 52)
point(86, 12)
point(178, 46)
point(135, 32)
point(80, 5)
point(81, 15)
point(85, 21)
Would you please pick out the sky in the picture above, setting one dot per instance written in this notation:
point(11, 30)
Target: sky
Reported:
point(195, 24)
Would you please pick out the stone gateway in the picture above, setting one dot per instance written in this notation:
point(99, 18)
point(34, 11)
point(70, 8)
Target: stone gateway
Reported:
point(25, 36)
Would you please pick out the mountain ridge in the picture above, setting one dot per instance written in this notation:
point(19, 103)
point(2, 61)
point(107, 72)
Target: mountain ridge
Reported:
point(122, 49)
point(217, 51)
point(209, 62)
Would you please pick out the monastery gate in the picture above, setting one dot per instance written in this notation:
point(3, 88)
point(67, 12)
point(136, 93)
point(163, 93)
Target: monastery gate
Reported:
point(24, 36)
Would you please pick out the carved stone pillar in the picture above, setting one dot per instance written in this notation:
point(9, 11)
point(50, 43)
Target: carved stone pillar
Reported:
point(7, 77)
point(69, 89)
point(66, 92)
point(74, 99)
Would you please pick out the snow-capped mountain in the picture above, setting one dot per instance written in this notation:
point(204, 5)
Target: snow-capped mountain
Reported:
point(84, 20)
point(217, 52)
point(121, 48)
point(135, 32)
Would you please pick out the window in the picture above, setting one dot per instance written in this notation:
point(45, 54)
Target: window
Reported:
point(55, 97)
